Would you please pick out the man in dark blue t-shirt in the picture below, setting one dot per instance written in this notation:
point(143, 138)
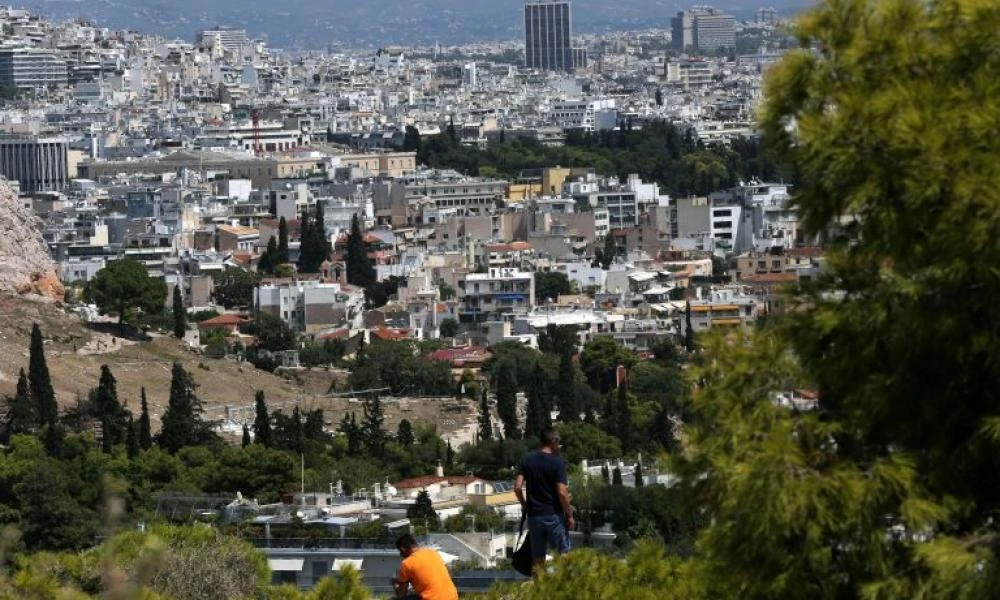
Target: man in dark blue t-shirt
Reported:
point(547, 503)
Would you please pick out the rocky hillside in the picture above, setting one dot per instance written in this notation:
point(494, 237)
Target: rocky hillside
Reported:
point(25, 266)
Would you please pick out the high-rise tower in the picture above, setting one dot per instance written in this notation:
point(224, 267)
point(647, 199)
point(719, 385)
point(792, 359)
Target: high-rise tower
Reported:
point(548, 35)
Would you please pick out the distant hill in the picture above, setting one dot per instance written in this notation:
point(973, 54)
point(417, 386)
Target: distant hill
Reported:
point(313, 24)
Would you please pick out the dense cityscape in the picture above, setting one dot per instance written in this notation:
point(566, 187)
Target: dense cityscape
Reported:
point(265, 310)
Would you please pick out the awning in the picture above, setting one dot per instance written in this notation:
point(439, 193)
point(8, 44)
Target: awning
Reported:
point(340, 563)
point(286, 564)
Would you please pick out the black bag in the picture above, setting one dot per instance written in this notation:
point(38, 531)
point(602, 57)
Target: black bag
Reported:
point(521, 559)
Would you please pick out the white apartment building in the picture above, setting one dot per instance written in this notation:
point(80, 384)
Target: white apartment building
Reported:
point(498, 291)
point(588, 115)
point(307, 306)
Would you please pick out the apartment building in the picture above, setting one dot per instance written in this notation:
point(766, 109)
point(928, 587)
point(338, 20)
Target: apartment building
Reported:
point(36, 163)
point(27, 68)
point(307, 305)
point(502, 290)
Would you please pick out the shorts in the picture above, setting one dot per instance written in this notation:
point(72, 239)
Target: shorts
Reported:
point(547, 531)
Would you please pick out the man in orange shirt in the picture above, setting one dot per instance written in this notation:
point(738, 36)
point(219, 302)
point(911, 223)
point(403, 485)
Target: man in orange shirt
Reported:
point(424, 570)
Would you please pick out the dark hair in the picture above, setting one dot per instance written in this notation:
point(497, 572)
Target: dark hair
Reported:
point(549, 436)
point(406, 541)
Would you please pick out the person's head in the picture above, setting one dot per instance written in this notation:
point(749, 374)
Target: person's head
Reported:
point(406, 544)
point(549, 438)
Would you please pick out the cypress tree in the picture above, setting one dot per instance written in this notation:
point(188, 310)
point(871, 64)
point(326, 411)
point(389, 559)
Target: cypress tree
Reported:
point(616, 477)
point(297, 434)
point(282, 256)
point(688, 329)
point(261, 421)
point(360, 271)
point(131, 439)
point(269, 259)
point(623, 419)
point(40, 382)
point(181, 424)
point(449, 456)
point(485, 420)
point(305, 248)
point(605, 474)
point(371, 426)
point(404, 434)
point(322, 240)
point(180, 314)
point(569, 407)
point(506, 391)
point(638, 475)
point(21, 416)
point(106, 408)
point(539, 408)
point(145, 434)
point(246, 436)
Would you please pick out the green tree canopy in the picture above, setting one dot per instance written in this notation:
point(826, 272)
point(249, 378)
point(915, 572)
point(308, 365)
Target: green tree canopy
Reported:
point(889, 113)
point(233, 287)
point(550, 285)
point(123, 286)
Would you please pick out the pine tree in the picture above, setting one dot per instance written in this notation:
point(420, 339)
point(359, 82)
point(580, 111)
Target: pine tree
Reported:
point(282, 249)
point(422, 511)
point(404, 434)
point(145, 430)
point(131, 439)
point(261, 421)
point(43, 397)
point(372, 426)
point(485, 420)
point(506, 391)
point(322, 240)
point(360, 271)
point(688, 329)
point(616, 477)
point(247, 440)
point(449, 456)
point(887, 488)
point(451, 132)
point(638, 474)
point(21, 416)
point(181, 424)
point(605, 474)
point(180, 314)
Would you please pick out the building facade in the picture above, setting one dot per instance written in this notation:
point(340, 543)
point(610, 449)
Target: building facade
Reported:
point(548, 35)
point(38, 164)
point(32, 68)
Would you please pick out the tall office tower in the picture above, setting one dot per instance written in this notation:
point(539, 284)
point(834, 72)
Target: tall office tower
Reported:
point(548, 35)
point(37, 163)
point(714, 29)
point(704, 29)
point(681, 29)
point(226, 38)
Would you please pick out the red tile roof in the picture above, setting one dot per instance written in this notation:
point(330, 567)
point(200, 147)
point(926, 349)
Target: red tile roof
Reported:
point(222, 321)
point(336, 334)
point(462, 355)
point(389, 334)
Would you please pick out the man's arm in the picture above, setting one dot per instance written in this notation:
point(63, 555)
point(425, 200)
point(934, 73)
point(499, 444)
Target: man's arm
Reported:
point(567, 508)
point(401, 583)
point(519, 489)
